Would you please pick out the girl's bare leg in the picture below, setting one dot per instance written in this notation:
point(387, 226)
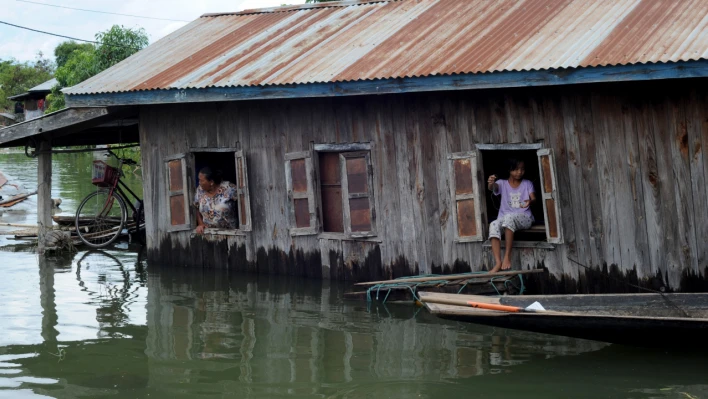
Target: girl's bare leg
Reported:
point(509, 240)
point(496, 251)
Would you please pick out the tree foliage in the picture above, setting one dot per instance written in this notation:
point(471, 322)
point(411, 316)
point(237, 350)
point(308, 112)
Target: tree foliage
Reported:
point(82, 61)
point(63, 51)
point(117, 44)
point(17, 77)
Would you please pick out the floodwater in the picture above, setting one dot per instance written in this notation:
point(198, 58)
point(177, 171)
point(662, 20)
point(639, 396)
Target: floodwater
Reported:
point(97, 324)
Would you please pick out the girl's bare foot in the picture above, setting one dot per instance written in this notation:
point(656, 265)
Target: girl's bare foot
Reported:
point(506, 265)
point(496, 267)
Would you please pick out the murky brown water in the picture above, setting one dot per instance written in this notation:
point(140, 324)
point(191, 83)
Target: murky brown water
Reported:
point(106, 324)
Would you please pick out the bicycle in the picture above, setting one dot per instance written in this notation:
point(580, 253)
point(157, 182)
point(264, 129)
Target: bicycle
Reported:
point(103, 214)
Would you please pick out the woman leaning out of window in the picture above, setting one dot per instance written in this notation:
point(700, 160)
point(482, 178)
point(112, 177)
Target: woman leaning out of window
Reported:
point(215, 199)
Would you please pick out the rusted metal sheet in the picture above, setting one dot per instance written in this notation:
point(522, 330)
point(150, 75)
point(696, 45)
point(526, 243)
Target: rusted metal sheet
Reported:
point(466, 223)
point(302, 213)
point(357, 179)
point(176, 178)
point(463, 176)
point(299, 175)
point(353, 41)
point(177, 210)
point(360, 212)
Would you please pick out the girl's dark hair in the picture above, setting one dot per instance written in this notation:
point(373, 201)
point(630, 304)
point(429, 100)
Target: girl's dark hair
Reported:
point(212, 175)
point(513, 164)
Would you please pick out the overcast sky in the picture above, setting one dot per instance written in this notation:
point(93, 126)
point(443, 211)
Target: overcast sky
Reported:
point(23, 45)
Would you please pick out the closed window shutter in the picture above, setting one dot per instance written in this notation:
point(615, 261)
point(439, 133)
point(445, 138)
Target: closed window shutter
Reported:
point(176, 171)
point(299, 178)
point(465, 192)
point(357, 194)
point(244, 199)
point(549, 195)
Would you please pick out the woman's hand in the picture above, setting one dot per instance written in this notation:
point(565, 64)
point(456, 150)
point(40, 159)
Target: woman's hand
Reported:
point(200, 229)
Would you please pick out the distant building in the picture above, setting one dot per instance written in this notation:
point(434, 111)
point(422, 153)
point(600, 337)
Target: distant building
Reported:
point(32, 103)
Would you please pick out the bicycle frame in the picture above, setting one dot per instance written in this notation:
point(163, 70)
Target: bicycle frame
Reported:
point(118, 186)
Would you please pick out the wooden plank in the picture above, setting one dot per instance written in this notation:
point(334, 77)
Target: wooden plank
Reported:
point(650, 183)
point(409, 236)
point(603, 107)
point(672, 222)
point(449, 277)
point(630, 198)
point(674, 70)
point(51, 123)
point(15, 199)
point(697, 118)
point(590, 182)
point(680, 159)
point(578, 208)
point(385, 192)
point(432, 208)
point(343, 147)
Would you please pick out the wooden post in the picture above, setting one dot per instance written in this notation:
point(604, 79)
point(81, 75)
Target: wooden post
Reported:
point(44, 192)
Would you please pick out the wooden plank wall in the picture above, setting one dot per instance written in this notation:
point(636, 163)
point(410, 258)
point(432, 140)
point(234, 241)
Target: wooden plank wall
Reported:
point(630, 167)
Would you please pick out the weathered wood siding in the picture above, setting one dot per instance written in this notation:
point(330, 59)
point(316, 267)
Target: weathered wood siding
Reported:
point(629, 160)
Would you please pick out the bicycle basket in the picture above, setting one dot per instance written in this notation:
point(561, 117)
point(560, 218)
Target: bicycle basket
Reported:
point(103, 175)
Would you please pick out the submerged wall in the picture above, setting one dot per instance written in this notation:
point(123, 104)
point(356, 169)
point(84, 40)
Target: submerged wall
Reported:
point(630, 169)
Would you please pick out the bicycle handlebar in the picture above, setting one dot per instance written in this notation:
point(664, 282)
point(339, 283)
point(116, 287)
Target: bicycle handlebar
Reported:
point(125, 161)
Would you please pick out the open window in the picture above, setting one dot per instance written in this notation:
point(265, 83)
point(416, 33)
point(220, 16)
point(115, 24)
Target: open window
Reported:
point(344, 190)
point(178, 193)
point(234, 168)
point(471, 197)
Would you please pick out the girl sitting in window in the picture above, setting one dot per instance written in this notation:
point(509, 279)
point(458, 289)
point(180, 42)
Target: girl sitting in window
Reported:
point(517, 195)
point(215, 199)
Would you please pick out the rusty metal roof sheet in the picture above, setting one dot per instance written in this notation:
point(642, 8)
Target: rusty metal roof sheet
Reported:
point(347, 41)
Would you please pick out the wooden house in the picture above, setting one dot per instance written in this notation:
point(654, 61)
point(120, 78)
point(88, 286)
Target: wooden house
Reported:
point(33, 102)
point(360, 135)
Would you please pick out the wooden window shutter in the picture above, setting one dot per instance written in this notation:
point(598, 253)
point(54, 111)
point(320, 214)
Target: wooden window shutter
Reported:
point(178, 193)
point(299, 178)
point(549, 195)
point(244, 198)
point(357, 194)
point(464, 189)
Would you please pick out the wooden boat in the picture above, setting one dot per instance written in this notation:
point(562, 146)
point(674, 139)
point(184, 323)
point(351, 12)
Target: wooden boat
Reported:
point(667, 320)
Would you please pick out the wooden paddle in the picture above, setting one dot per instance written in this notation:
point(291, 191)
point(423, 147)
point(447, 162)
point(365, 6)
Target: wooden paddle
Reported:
point(487, 306)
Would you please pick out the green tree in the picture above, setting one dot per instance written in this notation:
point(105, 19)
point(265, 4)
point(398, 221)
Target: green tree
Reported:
point(63, 51)
point(86, 60)
point(117, 44)
point(17, 77)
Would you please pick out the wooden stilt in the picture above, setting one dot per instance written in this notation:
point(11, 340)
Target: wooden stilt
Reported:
point(44, 192)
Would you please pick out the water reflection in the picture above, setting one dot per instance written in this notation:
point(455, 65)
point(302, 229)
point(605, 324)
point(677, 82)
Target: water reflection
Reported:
point(101, 323)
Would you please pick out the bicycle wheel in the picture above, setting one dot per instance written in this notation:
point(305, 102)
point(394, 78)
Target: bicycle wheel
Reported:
point(100, 218)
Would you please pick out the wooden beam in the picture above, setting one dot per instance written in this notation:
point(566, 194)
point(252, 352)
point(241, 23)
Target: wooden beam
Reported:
point(453, 277)
point(44, 192)
point(65, 122)
point(50, 122)
point(620, 73)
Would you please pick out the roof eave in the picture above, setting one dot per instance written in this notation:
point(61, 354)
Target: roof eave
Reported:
point(495, 80)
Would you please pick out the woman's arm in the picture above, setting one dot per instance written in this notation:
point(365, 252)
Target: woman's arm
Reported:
point(200, 223)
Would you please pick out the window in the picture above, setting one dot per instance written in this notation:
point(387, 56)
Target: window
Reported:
point(182, 176)
point(471, 196)
point(344, 190)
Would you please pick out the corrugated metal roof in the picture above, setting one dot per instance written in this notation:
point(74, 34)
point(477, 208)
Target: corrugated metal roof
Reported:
point(46, 86)
point(346, 41)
